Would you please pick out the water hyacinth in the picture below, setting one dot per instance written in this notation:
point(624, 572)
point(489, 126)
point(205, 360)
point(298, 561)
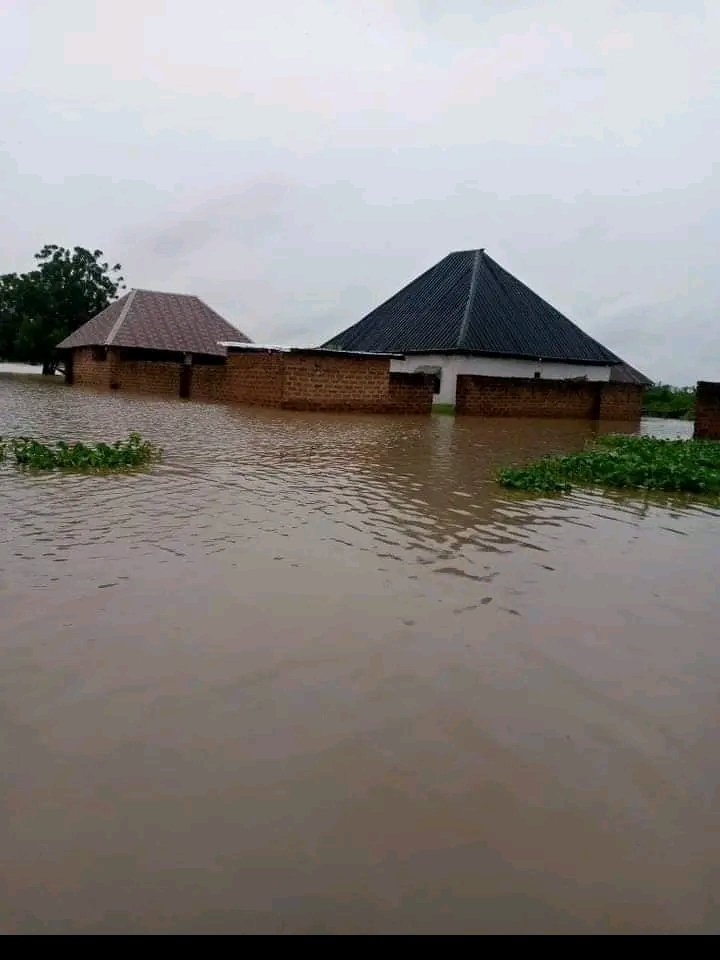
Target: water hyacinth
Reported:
point(80, 457)
point(624, 462)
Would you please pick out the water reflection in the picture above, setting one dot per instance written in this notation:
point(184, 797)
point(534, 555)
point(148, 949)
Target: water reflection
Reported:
point(411, 490)
point(321, 674)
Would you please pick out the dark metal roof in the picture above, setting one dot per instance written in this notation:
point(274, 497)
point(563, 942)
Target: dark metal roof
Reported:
point(150, 320)
point(624, 373)
point(467, 303)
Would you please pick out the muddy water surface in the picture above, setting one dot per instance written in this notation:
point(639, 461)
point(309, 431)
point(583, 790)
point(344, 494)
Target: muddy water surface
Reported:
point(320, 674)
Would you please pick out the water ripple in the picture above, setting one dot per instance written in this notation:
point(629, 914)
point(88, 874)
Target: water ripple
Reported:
point(411, 491)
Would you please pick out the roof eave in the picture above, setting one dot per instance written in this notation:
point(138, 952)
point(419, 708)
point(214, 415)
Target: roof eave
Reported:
point(458, 351)
point(312, 351)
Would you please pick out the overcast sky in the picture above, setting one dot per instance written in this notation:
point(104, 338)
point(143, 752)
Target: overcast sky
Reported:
point(295, 162)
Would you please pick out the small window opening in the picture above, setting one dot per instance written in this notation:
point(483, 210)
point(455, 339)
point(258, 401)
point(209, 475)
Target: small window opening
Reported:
point(99, 354)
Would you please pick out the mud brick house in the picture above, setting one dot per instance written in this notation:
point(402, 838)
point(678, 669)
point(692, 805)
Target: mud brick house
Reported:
point(175, 345)
point(149, 342)
point(494, 347)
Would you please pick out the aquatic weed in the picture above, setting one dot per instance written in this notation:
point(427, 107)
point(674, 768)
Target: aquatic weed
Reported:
point(81, 457)
point(625, 462)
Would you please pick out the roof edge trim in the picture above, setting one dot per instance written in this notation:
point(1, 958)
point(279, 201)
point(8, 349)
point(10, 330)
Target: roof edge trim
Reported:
point(471, 296)
point(120, 320)
point(464, 352)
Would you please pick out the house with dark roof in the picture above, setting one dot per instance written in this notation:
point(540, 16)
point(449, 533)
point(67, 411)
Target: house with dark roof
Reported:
point(468, 316)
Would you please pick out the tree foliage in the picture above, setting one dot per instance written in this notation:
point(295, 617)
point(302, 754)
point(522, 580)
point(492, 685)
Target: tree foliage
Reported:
point(10, 313)
point(41, 307)
point(662, 400)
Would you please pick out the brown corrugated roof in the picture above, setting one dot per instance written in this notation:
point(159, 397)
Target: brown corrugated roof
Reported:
point(149, 320)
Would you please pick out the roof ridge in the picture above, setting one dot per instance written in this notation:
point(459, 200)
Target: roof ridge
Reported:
point(469, 303)
point(471, 296)
point(121, 319)
point(494, 264)
point(165, 293)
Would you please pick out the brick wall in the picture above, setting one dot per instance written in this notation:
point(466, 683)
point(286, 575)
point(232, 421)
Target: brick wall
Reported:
point(115, 373)
point(255, 378)
point(267, 378)
point(621, 401)
point(302, 381)
point(566, 399)
point(410, 393)
point(707, 410)
point(144, 376)
point(209, 384)
point(296, 381)
point(314, 382)
point(89, 372)
point(520, 397)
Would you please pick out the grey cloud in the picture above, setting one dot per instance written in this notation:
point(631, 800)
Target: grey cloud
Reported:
point(296, 167)
point(244, 218)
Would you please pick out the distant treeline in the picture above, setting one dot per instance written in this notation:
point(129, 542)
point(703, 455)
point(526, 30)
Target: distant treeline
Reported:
point(662, 400)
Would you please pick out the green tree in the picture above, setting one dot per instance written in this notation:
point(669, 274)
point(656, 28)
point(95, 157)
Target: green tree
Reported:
point(41, 307)
point(10, 314)
point(663, 400)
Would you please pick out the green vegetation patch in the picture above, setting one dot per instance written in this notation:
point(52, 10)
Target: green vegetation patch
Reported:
point(622, 462)
point(80, 457)
point(661, 400)
point(446, 409)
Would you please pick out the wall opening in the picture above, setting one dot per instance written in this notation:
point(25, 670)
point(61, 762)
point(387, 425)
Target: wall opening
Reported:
point(185, 381)
point(68, 359)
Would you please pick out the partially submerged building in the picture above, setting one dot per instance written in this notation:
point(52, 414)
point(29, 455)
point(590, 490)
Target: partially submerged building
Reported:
point(469, 323)
point(466, 333)
point(175, 345)
point(150, 342)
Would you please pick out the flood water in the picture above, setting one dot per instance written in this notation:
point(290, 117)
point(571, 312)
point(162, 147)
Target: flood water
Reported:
point(319, 674)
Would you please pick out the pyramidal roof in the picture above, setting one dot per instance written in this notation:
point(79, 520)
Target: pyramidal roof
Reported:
point(467, 303)
point(149, 320)
point(624, 373)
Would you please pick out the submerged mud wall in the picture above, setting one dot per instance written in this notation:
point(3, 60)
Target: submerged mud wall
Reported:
point(707, 410)
point(268, 378)
point(410, 393)
point(335, 383)
point(108, 370)
point(621, 401)
point(322, 381)
point(482, 396)
point(84, 369)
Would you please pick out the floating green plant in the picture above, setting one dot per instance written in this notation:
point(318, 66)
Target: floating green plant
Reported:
point(121, 455)
point(624, 462)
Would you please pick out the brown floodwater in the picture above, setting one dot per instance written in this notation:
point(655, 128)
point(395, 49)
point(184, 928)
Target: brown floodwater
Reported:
point(319, 674)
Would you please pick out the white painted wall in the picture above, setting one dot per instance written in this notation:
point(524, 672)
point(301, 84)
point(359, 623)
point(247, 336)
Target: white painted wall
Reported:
point(452, 366)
